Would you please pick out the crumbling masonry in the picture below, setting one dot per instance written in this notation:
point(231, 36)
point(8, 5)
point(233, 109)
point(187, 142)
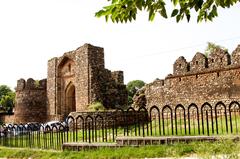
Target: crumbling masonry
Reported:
point(204, 79)
point(74, 81)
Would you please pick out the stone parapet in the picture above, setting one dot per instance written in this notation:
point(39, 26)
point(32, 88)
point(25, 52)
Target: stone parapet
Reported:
point(31, 101)
point(31, 84)
point(217, 60)
point(213, 78)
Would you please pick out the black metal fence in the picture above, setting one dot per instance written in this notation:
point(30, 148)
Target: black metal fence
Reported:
point(33, 136)
point(179, 120)
point(188, 120)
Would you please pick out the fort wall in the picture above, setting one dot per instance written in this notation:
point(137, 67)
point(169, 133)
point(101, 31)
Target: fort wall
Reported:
point(52, 87)
point(31, 102)
point(83, 72)
point(213, 78)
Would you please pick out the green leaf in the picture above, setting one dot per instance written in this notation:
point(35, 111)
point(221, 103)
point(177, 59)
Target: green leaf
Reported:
point(174, 12)
point(163, 13)
point(113, 20)
point(134, 16)
point(214, 11)
point(196, 8)
point(151, 15)
point(188, 17)
point(175, 2)
point(139, 4)
point(151, 18)
point(126, 10)
point(199, 3)
point(205, 15)
point(99, 13)
point(106, 18)
point(114, 1)
point(209, 17)
point(178, 18)
point(187, 13)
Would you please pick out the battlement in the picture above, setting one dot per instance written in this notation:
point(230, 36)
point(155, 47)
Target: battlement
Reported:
point(217, 60)
point(75, 80)
point(212, 78)
point(31, 84)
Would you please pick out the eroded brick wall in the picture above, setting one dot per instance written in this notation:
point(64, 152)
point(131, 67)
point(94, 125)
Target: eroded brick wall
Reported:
point(31, 102)
point(204, 79)
point(81, 72)
point(84, 68)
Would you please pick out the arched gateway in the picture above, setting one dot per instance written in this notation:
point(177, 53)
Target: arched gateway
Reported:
point(79, 78)
point(74, 81)
point(70, 100)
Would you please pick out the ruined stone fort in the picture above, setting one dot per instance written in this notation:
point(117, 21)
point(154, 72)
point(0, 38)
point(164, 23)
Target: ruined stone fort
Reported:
point(79, 78)
point(203, 79)
point(74, 81)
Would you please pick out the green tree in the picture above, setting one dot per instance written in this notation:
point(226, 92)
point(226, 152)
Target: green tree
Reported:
point(7, 103)
point(126, 10)
point(211, 47)
point(7, 98)
point(4, 90)
point(132, 88)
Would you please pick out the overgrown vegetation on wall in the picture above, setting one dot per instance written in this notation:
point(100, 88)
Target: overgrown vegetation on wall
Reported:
point(205, 78)
point(211, 48)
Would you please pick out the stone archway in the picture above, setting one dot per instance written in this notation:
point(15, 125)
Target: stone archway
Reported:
point(70, 98)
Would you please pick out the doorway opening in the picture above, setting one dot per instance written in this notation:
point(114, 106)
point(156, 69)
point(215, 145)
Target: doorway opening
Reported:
point(70, 99)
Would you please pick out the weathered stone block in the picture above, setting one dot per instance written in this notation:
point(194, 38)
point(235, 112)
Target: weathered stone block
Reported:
point(210, 79)
point(75, 80)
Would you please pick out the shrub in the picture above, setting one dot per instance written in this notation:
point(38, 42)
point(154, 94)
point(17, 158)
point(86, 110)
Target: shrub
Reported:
point(96, 106)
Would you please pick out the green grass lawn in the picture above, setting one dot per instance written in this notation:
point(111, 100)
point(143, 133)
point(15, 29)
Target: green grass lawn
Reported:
point(200, 149)
point(188, 127)
point(54, 140)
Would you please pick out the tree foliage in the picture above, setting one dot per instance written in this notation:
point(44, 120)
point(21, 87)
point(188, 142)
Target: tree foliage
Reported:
point(126, 10)
point(7, 98)
point(132, 88)
point(4, 90)
point(211, 47)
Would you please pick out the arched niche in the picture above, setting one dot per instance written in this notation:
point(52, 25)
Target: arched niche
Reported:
point(70, 98)
point(66, 67)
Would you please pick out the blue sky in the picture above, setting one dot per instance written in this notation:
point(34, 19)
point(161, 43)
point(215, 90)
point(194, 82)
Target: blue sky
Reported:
point(33, 31)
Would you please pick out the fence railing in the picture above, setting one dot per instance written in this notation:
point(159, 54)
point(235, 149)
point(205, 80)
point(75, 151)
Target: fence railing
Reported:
point(190, 120)
point(33, 136)
point(182, 120)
